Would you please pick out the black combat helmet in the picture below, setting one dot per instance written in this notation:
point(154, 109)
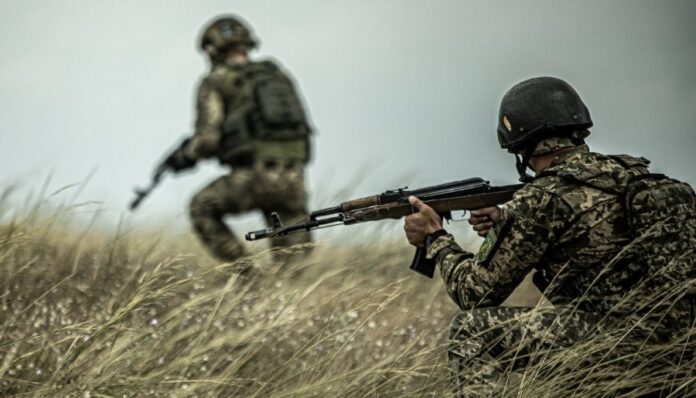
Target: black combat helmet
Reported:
point(539, 108)
point(225, 32)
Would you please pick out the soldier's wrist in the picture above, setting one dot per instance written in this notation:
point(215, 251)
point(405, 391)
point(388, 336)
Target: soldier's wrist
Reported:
point(432, 237)
point(435, 243)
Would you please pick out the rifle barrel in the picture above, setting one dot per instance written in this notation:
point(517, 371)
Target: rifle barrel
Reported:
point(272, 232)
point(325, 212)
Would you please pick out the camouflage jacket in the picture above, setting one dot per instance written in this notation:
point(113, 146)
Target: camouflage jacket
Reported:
point(574, 232)
point(215, 99)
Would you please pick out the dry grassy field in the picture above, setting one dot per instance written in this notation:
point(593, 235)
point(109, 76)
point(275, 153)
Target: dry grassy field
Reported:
point(114, 312)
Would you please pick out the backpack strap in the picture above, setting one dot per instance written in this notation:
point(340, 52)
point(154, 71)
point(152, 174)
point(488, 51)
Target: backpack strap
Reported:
point(633, 189)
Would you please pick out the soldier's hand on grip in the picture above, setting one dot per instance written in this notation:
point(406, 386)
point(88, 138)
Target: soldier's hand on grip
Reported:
point(419, 225)
point(482, 220)
point(178, 161)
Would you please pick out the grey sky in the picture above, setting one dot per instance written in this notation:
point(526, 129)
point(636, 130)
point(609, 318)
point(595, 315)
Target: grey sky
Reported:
point(400, 92)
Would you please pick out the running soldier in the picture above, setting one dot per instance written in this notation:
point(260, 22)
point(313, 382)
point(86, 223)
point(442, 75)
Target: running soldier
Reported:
point(249, 117)
point(611, 244)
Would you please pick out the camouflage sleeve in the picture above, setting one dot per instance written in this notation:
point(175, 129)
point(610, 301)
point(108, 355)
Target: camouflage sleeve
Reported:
point(210, 112)
point(515, 245)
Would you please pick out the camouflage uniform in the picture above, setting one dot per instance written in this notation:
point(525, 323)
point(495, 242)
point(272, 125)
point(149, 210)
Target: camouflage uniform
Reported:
point(569, 224)
point(271, 179)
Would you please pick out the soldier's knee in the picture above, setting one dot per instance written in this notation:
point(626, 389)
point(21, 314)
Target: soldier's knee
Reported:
point(462, 324)
point(475, 322)
point(464, 339)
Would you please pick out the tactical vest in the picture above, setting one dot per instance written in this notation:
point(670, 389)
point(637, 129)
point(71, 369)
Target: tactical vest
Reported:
point(651, 199)
point(264, 116)
point(660, 214)
point(648, 199)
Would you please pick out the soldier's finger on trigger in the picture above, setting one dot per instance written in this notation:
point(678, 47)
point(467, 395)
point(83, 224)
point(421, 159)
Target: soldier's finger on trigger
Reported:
point(477, 220)
point(488, 210)
point(483, 226)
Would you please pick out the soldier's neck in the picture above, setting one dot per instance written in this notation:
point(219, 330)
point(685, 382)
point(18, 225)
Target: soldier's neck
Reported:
point(542, 162)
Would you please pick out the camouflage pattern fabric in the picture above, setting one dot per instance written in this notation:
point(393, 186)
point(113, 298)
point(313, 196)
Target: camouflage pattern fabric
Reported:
point(266, 186)
point(485, 344)
point(210, 113)
point(570, 225)
point(552, 144)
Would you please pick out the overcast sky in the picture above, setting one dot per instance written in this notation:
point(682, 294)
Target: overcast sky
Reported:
point(399, 92)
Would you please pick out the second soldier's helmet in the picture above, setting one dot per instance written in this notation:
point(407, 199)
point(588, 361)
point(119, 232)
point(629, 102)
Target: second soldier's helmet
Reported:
point(537, 109)
point(225, 32)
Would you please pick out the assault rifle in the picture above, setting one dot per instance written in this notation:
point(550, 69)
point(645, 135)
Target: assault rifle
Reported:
point(175, 161)
point(469, 194)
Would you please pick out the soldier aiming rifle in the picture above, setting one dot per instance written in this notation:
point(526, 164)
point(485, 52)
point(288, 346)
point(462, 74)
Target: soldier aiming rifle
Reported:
point(612, 247)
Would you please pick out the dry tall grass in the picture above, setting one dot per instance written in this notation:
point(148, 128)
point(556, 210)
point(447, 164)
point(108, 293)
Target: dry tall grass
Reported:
point(89, 312)
point(111, 313)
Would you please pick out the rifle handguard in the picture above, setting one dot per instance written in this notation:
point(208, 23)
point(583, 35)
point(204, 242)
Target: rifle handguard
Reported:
point(360, 203)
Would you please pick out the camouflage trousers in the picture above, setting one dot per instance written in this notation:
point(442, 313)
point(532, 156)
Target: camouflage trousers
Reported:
point(269, 186)
point(487, 344)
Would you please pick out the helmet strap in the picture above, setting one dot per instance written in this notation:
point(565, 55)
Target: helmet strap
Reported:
point(576, 138)
point(522, 163)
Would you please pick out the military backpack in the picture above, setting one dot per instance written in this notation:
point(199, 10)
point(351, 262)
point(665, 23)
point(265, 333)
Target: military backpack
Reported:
point(659, 228)
point(653, 201)
point(263, 108)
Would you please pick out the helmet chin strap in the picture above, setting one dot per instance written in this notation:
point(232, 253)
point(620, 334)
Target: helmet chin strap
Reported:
point(577, 137)
point(522, 163)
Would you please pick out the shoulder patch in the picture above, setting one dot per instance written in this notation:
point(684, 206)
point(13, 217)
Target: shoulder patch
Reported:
point(492, 242)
